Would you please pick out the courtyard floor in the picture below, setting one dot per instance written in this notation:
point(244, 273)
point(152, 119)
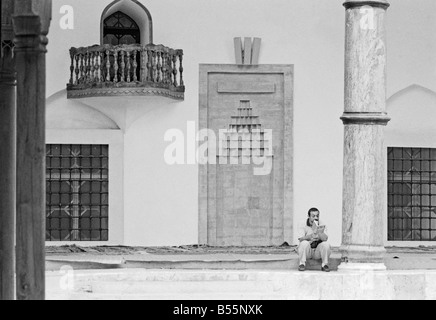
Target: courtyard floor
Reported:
point(205, 257)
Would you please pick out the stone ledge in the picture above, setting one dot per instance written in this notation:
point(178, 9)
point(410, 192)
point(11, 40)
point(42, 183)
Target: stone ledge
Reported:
point(239, 262)
point(249, 284)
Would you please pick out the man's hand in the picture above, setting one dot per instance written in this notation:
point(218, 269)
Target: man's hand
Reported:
point(322, 236)
point(306, 238)
point(311, 237)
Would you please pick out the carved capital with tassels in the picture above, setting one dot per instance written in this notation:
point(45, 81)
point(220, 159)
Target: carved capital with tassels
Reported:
point(31, 22)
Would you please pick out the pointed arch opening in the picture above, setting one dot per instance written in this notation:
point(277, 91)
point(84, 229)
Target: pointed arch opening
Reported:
point(119, 29)
point(126, 22)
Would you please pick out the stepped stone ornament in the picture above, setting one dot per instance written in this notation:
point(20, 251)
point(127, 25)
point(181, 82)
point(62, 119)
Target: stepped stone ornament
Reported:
point(244, 138)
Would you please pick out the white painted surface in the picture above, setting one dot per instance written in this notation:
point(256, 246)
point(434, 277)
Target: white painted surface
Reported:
point(161, 202)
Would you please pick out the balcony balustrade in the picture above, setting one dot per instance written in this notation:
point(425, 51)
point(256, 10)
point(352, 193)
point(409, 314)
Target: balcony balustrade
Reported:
point(126, 70)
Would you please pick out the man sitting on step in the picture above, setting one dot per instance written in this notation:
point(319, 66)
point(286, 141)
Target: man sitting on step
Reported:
point(313, 242)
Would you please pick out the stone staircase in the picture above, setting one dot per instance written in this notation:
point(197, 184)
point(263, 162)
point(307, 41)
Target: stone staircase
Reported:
point(231, 275)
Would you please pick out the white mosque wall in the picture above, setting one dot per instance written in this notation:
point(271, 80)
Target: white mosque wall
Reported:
point(153, 203)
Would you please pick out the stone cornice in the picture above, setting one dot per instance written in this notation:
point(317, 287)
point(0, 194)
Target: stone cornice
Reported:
point(365, 118)
point(358, 3)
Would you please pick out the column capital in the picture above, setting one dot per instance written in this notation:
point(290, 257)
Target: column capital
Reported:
point(40, 8)
point(350, 4)
point(28, 34)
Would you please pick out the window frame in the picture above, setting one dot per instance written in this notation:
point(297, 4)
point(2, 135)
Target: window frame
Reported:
point(73, 169)
point(407, 178)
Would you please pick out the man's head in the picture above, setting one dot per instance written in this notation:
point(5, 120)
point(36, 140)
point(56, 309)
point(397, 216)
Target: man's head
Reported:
point(313, 215)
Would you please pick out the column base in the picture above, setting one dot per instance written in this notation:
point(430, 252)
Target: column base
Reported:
point(362, 254)
point(361, 267)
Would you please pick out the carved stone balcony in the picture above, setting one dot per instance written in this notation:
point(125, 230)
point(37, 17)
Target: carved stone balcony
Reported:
point(126, 70)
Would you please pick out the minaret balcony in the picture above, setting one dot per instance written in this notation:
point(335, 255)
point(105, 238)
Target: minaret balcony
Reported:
point(126, 70)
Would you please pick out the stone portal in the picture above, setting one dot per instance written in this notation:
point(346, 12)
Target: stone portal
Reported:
point(246, 192)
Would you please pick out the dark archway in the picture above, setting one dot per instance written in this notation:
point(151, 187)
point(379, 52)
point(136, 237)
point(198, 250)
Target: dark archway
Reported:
point(135, 11)
point(119, 28)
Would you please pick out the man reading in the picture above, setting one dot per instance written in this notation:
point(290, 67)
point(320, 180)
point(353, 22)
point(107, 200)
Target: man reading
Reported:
point(313, 242)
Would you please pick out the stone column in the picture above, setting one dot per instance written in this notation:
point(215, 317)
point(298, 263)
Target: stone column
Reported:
point(364, 119)
point(7, 155)
point(31, 23)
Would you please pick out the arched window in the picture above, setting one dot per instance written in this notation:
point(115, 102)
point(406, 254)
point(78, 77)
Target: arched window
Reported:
point(119, 28)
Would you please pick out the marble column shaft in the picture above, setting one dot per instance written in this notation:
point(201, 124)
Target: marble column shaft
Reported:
point(364, 120)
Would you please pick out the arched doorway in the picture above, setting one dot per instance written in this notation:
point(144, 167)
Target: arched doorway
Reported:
point(121, 13)
point(119, 28)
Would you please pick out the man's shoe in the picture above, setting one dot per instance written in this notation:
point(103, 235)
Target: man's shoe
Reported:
point(325, 268)
point(302, 267)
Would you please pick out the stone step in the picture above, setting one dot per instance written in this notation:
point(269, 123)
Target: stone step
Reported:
point(191, 263)
point(134, 284)
point(169, 296)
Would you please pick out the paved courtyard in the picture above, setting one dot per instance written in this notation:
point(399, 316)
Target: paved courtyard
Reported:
point(205, 257)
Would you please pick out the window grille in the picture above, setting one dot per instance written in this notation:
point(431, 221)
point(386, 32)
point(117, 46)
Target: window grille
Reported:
point(411, 194)
point(77, 193)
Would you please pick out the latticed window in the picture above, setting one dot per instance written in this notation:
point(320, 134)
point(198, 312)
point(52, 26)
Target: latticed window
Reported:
point(411, 194)
point(77, 193)
point(119, 28)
